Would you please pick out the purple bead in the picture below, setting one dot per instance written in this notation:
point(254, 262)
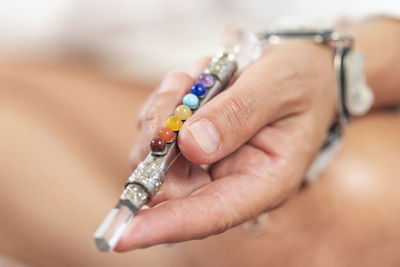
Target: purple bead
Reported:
point(198, 89)
point(206, 79)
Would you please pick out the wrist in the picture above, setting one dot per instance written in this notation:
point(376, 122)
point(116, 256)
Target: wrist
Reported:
point(377, 38)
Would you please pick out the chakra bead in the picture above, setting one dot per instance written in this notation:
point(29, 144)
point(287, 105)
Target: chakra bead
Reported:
point(174, 123)
point(198, 89)
point(157, 144)
point(191, 100)
point(206, 79)
point(183, 112)
point(167, 134)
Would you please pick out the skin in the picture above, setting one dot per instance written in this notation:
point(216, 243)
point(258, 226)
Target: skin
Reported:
point(64, 161)
point(271, 123)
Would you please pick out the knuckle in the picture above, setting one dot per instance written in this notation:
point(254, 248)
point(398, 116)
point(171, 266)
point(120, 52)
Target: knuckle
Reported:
point(140, 116)
point(238, 112)
point(292, 79)
point(173, 84)
point(178, 78)
point(228, 217)
point(178, 75)
point(297, 85)
point(148, 118)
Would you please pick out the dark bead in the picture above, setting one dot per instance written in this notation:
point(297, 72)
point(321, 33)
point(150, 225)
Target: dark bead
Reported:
point(157, 144)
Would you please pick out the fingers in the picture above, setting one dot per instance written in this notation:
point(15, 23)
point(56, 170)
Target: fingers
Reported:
point(255, 181)
point(235, 115)
point(182, 179)
point(161, 105)
point(280, 84)
point(291, 141)
point(258, 174)
point(213, 210)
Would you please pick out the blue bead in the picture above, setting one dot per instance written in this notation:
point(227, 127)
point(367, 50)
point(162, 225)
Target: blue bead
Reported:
point(191, 100)
point(198, 89)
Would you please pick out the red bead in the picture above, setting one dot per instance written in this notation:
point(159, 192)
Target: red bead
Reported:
point(157, 144)
point(167, 134)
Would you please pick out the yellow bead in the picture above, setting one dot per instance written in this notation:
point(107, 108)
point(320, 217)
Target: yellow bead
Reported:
point(174, 123)
point(183, 112)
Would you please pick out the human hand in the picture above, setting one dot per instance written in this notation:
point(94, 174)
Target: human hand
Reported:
point(258, 137)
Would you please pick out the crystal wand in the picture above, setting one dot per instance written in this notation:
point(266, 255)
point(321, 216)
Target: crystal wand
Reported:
point(149, 175)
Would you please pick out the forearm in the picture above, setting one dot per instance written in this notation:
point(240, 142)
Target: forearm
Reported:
point(379, 40)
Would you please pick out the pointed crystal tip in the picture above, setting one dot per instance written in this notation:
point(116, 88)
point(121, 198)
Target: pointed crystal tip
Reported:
point(110, 231)
point(101, 244)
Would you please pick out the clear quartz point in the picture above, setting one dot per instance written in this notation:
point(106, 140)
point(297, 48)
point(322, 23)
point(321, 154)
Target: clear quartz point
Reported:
point(245, 45)
point(111, 229)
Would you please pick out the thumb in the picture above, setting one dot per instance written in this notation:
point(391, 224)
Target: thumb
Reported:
point(234, 116)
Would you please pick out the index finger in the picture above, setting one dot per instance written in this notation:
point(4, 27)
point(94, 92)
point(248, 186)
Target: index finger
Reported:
point(161, 105)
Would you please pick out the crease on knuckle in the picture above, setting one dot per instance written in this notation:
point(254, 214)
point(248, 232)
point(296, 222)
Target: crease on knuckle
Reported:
point(148, 119)
point(297, 82)
point(239, 113)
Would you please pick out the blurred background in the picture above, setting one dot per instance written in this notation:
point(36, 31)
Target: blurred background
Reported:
point(73, 75)
point(144, 40)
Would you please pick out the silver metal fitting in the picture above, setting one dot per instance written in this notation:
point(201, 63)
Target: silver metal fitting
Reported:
point(134, 196)
point(222, 66)
point(149, 175)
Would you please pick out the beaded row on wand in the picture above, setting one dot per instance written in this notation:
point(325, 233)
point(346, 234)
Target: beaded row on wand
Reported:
point(183, 112)
point(147, 178)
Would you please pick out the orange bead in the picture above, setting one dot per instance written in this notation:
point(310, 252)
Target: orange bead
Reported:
point(167, 134)
point(174, 123)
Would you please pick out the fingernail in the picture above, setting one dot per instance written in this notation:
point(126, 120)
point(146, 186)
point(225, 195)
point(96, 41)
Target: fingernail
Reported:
point(205, 135)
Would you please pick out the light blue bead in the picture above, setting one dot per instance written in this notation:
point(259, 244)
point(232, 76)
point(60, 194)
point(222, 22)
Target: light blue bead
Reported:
point(191, 100)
